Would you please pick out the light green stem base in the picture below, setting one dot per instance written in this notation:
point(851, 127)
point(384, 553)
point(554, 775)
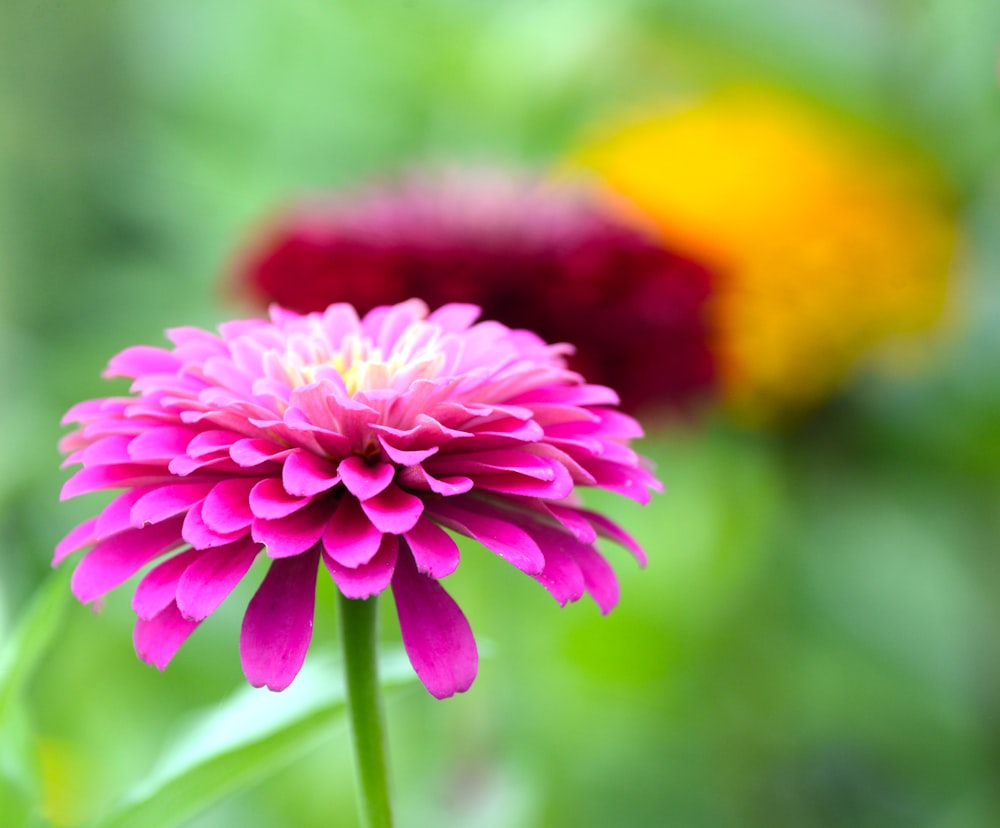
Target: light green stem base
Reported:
point(358, 636)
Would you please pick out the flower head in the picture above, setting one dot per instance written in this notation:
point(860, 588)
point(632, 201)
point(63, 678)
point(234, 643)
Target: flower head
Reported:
point(553, 259)
point(827, 240)
point(361, 444)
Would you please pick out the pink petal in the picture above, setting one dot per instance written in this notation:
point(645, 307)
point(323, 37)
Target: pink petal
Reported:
point(116, 559)
point(79, 537)
point(116, 516)
point(166, 501)
point(269, 500)
point(609, 529)
point(427, 432)
point(294, 534)
point(202, 536)
point(350, 538)
point(455, 316)
point(369, 578)
point(160, 444)
point(184, 465)
point(111, 477)
point(436, 635)
point(403, 457)
point(561, 575)
point(598, 576)
point(474, 463)
point(633, 483)
point(362, 480)
point(558, 488)
point(393, 510)
point(207, 582)
point(253, 451)
point(277, 627)
point(572, 520)
point(106, 451)
point(227, 508)
point(158, 588)
point(417, 477)
point(213, 443)
point(304, 474)
point(158, 639)
point(142, 359)
point(88, 410)
point(492, 528)
point(434, 550)
point(569, 395)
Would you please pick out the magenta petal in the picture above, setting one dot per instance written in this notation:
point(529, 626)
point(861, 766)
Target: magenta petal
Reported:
point(227, 508)
point(473, 463)
point(455, 316)
point(117, 515)
point(598, 576)
point(363, 480)
point(434, 550)
point(111, 477)
point(304, 474)
point(574, 521)
point(369, 578)
point(166, 501)
point(116, 559)
point(160, 444)
point(560, 487)
point(79, 537)
point(417, 477)
point(609, 529)
point(494, 531)
point(207, 582)
point(253, 451)
point(212, 443)
point(202, 536)
point(269, 500)
point(393, 510)
point(436, 635)
point(294, 534)
point(277, 627)
point(141, 359)
point(107, 451)
point(562, 575)
point(158, 588)
point(633, 483)
point(403, 457)
point(350, 538)
point(159, 638)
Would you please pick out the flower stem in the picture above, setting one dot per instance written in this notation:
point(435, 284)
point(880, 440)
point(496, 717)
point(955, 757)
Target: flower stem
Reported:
point(358, 625)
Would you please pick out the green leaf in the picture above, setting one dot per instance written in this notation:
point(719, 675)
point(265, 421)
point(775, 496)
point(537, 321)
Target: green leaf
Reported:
point(19, 778)
point(32, 637)
point(248, 737)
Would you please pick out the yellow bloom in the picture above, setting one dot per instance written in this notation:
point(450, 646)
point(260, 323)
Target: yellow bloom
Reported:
point(827, 240)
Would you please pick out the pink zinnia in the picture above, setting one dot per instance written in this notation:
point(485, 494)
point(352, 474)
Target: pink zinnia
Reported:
point(358, 443)
point(554, 259)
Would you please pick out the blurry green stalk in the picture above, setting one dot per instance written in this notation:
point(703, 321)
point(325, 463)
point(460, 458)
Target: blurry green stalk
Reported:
point(358, 635)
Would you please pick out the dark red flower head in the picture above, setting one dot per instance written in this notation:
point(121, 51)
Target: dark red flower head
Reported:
point(552, 259)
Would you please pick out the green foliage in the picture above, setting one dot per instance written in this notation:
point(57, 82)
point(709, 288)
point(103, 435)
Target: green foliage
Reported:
point(23, 650)
point(814, 639)
point(242, 740)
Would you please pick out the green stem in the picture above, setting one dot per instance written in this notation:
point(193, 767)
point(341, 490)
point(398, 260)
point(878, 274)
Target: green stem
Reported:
point(358, 626)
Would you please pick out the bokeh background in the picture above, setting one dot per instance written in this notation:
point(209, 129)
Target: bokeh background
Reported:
point(815, 639)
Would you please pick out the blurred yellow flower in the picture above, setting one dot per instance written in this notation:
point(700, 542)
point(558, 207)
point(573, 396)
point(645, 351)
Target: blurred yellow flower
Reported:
point(828, 240)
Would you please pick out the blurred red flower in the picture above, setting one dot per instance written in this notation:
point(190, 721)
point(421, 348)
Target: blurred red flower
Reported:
point(551, 258)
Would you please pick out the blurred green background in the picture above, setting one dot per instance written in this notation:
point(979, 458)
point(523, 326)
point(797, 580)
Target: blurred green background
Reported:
point(814, 641)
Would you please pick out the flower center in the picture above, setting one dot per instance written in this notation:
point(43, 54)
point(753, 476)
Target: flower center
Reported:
point(363, 366)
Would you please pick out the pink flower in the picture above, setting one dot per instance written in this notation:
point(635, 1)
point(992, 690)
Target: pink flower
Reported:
point(358, 444)
point(555, 259)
